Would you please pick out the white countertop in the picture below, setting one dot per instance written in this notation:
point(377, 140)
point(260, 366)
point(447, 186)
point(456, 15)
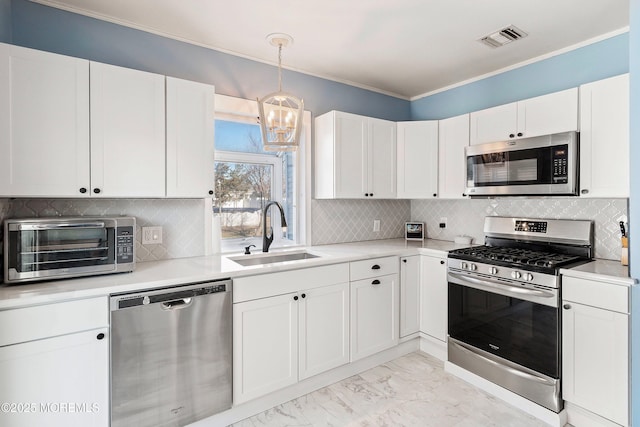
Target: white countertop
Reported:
point(159, 274)
point(601, 271)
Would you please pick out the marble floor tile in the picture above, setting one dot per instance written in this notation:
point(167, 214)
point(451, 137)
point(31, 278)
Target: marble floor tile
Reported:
point(412, 390)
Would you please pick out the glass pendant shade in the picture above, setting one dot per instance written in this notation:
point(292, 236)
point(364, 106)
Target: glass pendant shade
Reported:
point(280, 112)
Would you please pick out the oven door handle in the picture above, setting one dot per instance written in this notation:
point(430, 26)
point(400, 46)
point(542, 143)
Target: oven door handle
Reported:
point(512, 370)
point(489, 285)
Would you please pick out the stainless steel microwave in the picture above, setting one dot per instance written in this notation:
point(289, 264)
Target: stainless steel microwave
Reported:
point(56, 248)
point(542, 165)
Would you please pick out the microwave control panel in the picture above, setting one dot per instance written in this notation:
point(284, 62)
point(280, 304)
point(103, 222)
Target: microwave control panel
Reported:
point(560, 164)
point(124, 245)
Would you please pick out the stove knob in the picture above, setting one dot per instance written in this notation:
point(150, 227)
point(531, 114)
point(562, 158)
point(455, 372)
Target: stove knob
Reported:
point(528, 277)
point(463, 265)
point(473, 267)
point(516, 274)
point(493, 270)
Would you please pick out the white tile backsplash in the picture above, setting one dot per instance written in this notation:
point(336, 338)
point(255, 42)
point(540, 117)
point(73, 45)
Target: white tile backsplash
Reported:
point(182, 220)
point(466, 217)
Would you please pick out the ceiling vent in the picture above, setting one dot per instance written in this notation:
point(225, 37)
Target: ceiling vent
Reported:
point(503, 36)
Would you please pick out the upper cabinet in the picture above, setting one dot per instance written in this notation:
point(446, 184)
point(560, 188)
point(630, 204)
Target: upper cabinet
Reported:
point(355, 157)
point(604, 138)
point(417, 145)
point(44, 123)
point(74, 128)
point(190, 143)
point(127, 132)
point(542, 115)
point(453, 137)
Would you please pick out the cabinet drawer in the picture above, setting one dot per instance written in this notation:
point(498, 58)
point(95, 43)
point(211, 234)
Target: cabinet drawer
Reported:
point(374, 267)
point(596, 294)
point(267, 285)
point(43, 321)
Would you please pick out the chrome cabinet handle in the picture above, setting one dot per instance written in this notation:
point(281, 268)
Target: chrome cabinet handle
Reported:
point(177, 304)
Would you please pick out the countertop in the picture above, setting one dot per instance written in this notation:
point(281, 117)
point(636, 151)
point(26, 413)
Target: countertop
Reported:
point(159, 274)
point(601, 270)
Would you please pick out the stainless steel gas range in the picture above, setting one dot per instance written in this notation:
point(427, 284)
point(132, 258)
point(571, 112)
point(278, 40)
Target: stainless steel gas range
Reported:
point(504, 303)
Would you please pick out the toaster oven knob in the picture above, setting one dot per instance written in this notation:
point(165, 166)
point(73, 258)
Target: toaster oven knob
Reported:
point(493, 270)
point(473, 267)
point(516, 275)
point(528, 277)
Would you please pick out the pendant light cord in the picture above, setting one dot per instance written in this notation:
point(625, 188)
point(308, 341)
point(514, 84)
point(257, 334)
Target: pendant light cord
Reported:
point(279, 67)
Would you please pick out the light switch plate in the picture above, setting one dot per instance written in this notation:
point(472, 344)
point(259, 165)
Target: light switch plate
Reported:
point(151, 235)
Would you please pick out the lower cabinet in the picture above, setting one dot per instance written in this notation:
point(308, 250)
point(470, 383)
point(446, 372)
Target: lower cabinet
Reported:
point(595, 348)
point(433, 296)
point(374, 315)
point(409, 295)
point(282, 339)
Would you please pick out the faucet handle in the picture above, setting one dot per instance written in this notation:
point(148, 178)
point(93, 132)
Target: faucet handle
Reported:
point(247, 249)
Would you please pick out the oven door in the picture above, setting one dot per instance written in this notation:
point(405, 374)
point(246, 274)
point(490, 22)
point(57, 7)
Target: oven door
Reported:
point(540, 165)
point(508, 334)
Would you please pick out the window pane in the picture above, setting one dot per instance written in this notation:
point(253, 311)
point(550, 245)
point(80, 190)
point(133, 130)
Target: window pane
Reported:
point(239, 137)
point(242, 190)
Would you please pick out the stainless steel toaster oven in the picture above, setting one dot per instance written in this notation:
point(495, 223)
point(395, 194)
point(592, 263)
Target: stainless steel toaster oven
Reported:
point(56, 248)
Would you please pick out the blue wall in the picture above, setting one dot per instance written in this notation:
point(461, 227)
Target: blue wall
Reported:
point(5, 21)
point(597, 61)
point(54, 30)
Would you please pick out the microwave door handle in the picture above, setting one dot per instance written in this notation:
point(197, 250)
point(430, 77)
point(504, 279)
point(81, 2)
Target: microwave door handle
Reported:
point(27, 227)
point(489, 285)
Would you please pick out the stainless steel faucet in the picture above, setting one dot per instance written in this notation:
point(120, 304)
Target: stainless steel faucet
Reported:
point(267, 240)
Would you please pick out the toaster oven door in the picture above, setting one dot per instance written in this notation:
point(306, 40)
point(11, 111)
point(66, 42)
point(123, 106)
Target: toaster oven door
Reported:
point(41, 250)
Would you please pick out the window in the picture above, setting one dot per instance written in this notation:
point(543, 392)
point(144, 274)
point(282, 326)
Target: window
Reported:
point(247, 178)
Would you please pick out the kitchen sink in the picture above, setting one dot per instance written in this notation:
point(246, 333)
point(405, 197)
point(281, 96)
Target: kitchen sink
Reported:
point(260, 259)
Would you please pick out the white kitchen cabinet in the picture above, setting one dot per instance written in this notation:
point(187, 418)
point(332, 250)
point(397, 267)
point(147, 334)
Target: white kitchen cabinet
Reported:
point(324, 329)
point(190, 143)
point(265, 346)
point(44, 123)
point(417, 145)
point(55, 369)
point(355, 157)
point(433, 296)
point(604, 138)
point(409, 295)
point(288, 326)
point(595, 347)
point(453, 137)
point(127, 132)
point(374, 312)
point(543, 115)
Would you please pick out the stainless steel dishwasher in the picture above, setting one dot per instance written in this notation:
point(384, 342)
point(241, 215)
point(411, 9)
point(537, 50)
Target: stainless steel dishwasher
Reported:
point(171, 354)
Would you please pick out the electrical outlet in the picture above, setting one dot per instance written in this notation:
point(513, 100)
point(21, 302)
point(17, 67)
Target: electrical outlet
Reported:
point(443, 222)
point(151, 235)
point(376, 225)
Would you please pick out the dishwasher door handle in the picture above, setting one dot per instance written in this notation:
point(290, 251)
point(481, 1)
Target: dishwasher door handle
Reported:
point(178, 304)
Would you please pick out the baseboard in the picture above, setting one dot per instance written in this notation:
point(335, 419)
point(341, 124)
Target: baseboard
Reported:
point(541, 413)
point(578, 416)
point(256, 406)
point(433, 346)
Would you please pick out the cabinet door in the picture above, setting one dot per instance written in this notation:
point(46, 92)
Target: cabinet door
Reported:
point(44, 123)
point(351, 163)
point(418, 159)
point(265, 346)
point(61, 381)
point(382, 159)
point(190, 143)
point(604, 138)
point(548, 114)
point(493, 124)
point(127, 132)
point(409, 295)
point(433, 320)
point(374, 315)
point(453, 137)
point(324, 329)
point(595, 361)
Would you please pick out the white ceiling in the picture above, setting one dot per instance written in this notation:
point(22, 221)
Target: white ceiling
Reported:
point(404, 48)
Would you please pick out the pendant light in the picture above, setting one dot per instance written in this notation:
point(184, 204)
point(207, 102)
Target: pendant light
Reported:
point(280, 112)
